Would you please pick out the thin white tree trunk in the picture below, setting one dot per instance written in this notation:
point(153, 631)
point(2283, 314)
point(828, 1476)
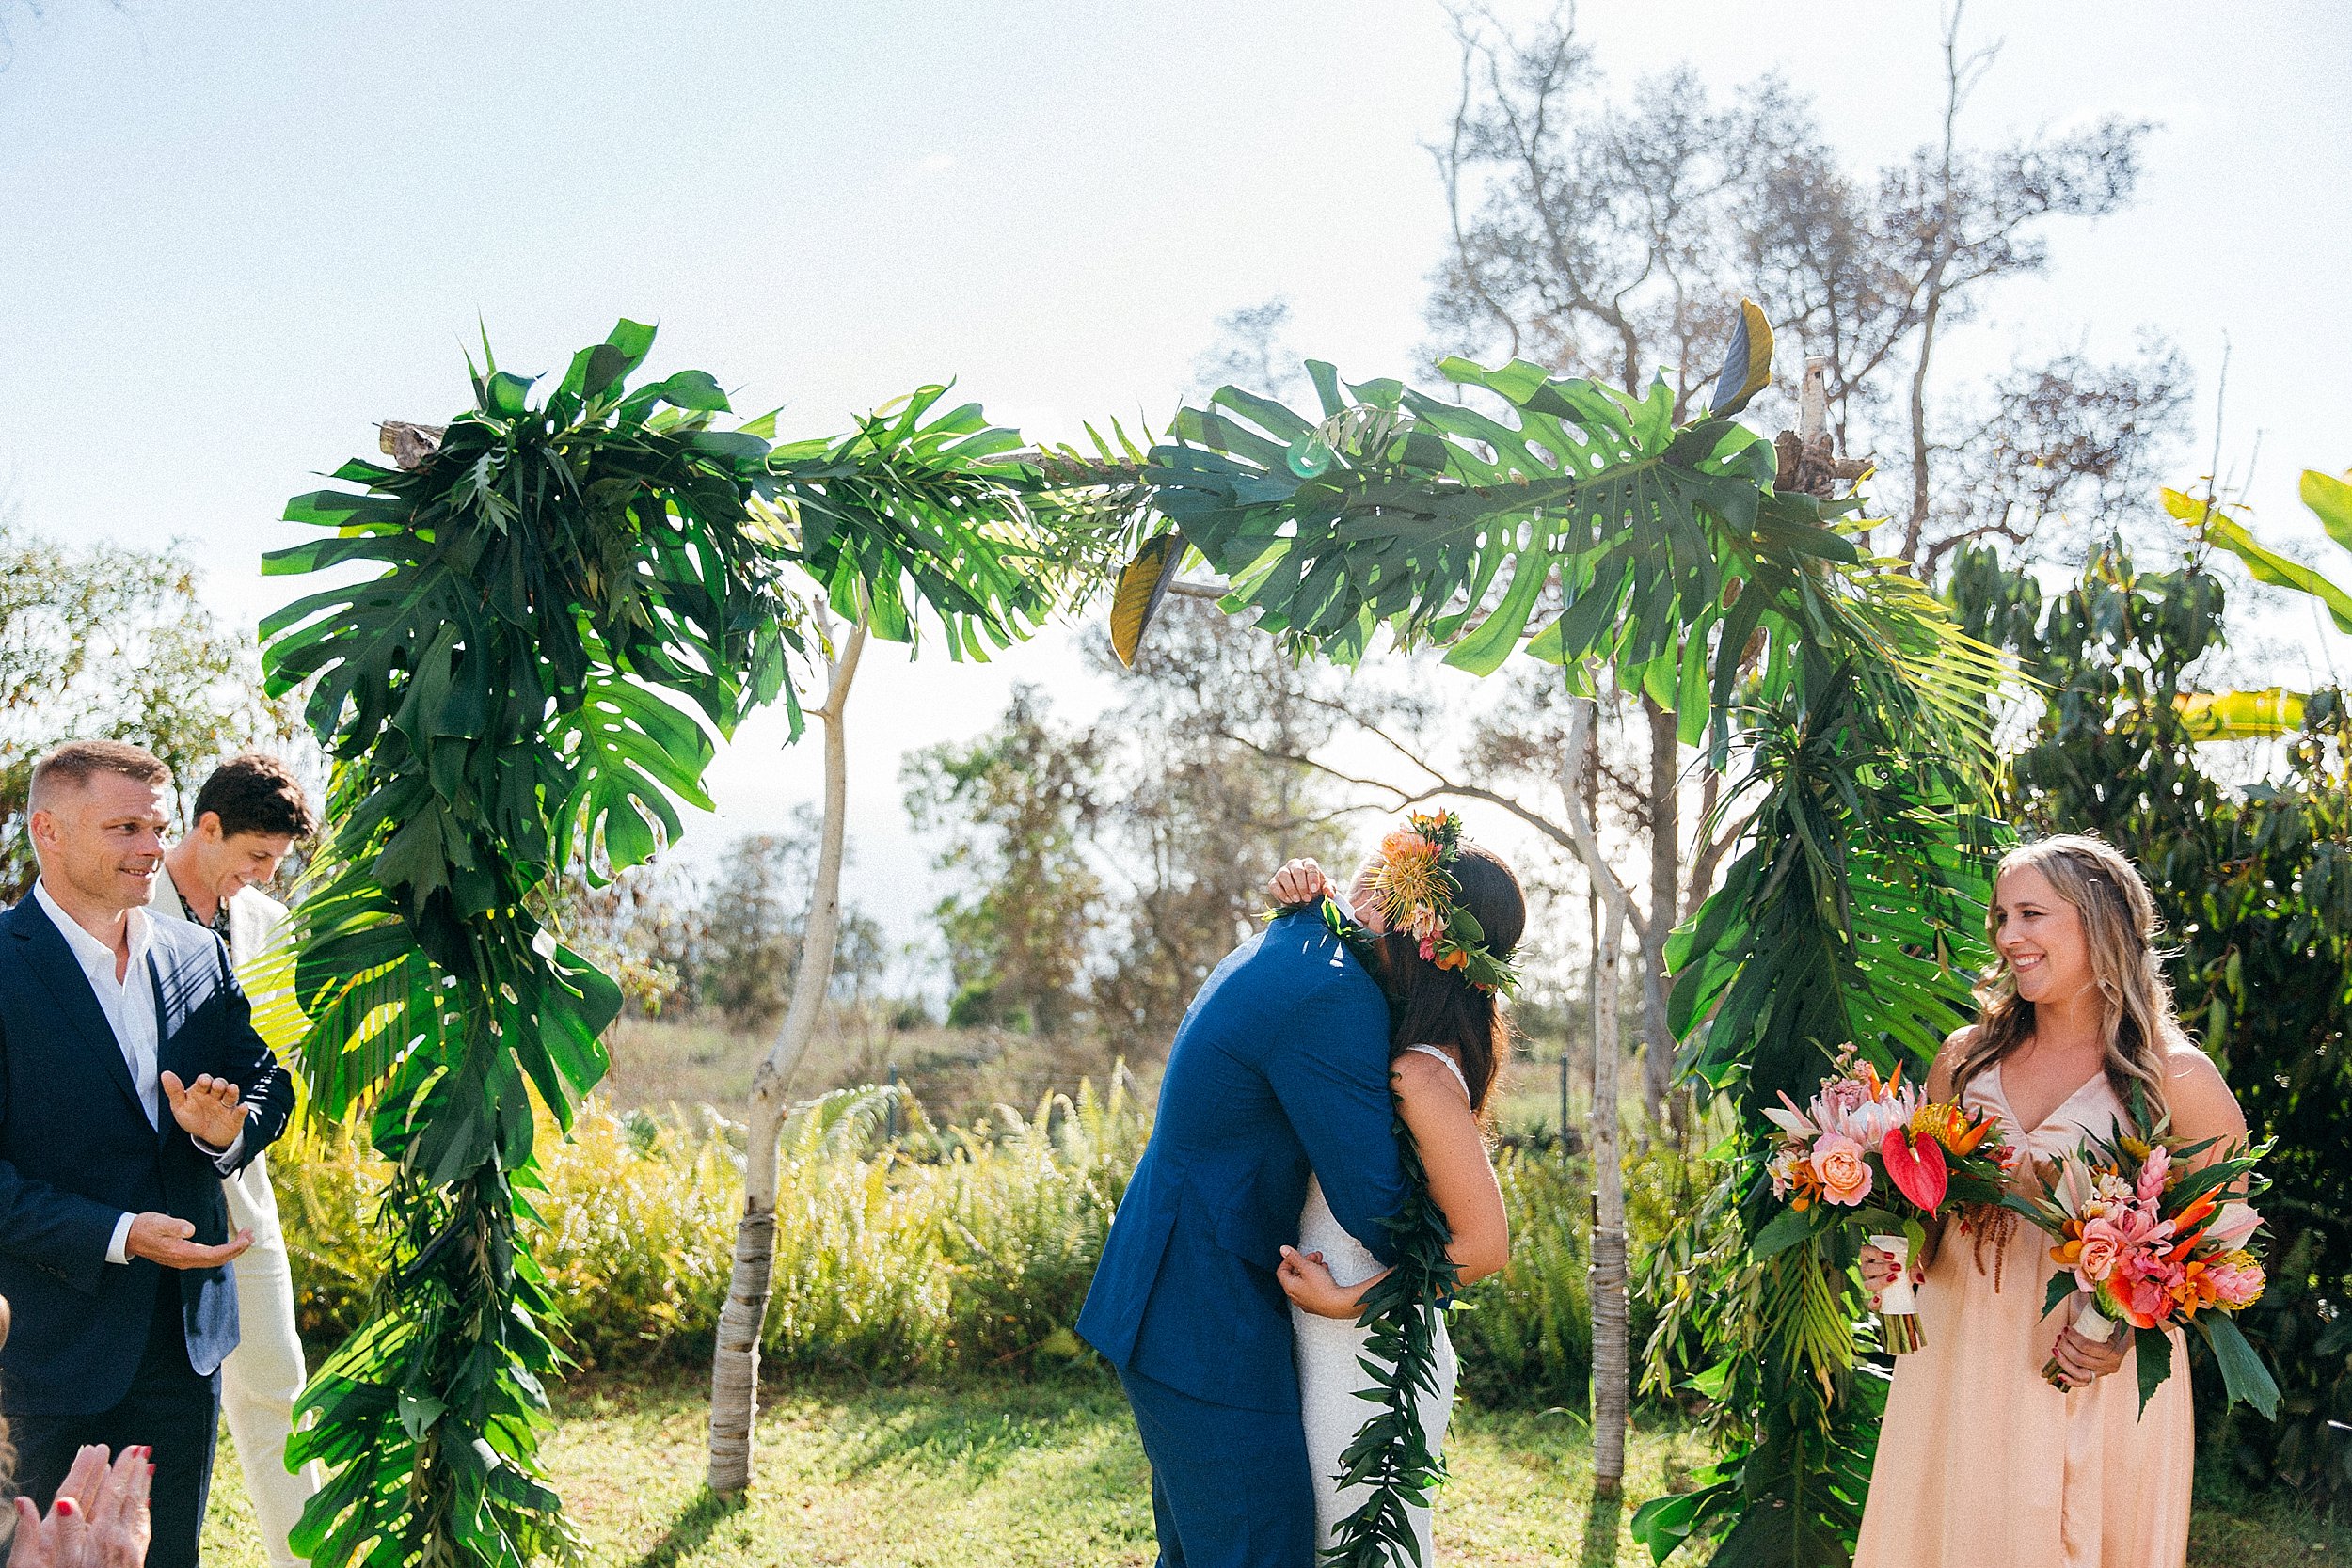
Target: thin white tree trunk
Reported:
point(1665, 888)
point(1612, 1351)
point(735, 1364)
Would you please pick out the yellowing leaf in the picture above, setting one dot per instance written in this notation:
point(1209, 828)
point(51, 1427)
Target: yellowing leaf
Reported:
point(1142, 584)
point(2262, 715)
point(2215, 525)
point(2331, 498)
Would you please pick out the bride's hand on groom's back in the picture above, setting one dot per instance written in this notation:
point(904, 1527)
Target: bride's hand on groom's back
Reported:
point(1302, 881)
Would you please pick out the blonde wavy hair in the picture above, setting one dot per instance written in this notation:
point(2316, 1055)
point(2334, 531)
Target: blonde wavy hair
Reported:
point(2120, 929)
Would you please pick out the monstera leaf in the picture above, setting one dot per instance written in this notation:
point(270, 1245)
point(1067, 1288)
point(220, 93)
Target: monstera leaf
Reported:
point(574, 599)
point(1403, 509)
point(1583, 525)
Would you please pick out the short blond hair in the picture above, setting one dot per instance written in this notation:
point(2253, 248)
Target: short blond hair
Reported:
point(78, 762)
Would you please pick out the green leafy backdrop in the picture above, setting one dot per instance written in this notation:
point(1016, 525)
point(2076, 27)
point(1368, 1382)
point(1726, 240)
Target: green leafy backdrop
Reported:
point(1566, 521)
point(564, 605)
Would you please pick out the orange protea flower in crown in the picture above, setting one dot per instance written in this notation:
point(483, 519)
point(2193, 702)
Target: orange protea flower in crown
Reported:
point(1413, 885)
point(1410, 884)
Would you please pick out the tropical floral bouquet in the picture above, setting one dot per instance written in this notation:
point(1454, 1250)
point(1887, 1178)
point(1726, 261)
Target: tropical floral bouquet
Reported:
point(1873, 1155)
point(2149, 1242)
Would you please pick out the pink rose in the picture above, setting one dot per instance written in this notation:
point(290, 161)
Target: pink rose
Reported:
point(2146, 1302)
point(1845, 1174)
point(2102, 1250)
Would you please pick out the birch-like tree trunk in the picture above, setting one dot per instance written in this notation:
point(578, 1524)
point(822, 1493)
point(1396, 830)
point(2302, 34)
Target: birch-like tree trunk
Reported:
point(1665, 891)
point(1612, 1347)
point(735, 1364)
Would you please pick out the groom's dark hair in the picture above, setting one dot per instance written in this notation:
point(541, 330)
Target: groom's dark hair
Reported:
point(1428, 1005)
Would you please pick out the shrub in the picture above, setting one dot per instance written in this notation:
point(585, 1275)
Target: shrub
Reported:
point(1527, 1335)
point(926, 1252)
point(930, 1253)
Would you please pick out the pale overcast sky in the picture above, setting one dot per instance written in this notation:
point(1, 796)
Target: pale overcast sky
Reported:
point(234, 236)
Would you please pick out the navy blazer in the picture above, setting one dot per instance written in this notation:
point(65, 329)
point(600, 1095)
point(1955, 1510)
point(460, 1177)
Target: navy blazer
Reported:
point(76, 1153)
point(1282, 1065)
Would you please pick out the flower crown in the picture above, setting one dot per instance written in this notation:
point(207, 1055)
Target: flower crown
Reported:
point(1414, 883)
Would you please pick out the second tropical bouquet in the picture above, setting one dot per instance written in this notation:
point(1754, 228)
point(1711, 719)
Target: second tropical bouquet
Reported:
point(2151, 1242)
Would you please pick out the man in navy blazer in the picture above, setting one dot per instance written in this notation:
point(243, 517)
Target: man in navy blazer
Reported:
point(1281, 1067)
point(131, 1082)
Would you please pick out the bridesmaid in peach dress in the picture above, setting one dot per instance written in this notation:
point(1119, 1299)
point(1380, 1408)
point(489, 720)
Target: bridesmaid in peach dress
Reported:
point(1980, 1463)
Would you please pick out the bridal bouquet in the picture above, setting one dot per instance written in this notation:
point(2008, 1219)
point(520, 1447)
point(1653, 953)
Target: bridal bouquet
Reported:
point(2148, 1243)
point(1872, 1155)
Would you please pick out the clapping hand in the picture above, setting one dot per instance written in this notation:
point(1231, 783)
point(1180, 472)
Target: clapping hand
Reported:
point(168, 1240)
point(100, 1518)
point(206, 1110)
point(1302, 881)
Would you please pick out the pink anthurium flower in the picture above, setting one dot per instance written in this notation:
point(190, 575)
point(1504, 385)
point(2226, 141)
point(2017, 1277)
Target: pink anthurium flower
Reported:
point(1917, 1167)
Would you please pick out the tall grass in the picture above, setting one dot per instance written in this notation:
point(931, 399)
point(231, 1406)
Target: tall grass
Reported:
point(903, 1249)
point(929, 1252)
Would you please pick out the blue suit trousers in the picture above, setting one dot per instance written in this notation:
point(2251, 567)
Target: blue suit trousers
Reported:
point(1229, 1487)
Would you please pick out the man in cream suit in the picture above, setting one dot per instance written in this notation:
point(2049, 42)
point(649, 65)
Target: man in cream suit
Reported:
point(246, 820)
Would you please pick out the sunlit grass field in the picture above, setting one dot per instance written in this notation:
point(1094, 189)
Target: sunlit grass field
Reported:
point(1047, 1474)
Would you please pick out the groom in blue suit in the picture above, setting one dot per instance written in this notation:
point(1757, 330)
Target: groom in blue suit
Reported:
point(1281, 1067)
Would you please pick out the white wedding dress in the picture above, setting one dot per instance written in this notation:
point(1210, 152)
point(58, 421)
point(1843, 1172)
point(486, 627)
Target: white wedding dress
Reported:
point(1329, 1377)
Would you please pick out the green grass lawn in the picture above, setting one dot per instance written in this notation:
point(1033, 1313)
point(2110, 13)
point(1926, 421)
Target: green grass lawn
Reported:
point(1048, 1474)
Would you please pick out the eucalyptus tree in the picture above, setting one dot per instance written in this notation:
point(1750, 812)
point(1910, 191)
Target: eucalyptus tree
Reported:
point(1604, 233)
point(571, 600)
point(1594, 532)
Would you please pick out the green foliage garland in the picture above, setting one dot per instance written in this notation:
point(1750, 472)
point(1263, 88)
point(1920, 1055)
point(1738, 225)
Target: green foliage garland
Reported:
point(572, 598)
point(1854, 913)
point(1584, 527)
point(1390, 1454)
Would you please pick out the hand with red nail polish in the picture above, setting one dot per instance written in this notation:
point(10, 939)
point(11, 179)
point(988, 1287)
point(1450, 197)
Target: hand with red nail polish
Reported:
point(100, 1518)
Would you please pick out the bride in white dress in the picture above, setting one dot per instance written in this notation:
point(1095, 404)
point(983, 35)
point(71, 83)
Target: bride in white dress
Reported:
point(1451, 1036)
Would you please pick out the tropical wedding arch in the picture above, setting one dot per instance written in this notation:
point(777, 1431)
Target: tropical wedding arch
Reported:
point(562, 606)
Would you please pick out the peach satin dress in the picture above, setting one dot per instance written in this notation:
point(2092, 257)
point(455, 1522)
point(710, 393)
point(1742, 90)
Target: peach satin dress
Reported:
point(1982, 1465)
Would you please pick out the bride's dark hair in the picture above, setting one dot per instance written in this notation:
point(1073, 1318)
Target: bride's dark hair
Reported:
point(1428, 1005)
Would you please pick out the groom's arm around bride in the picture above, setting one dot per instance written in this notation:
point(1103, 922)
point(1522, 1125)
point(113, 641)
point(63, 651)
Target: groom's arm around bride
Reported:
point(131, 1082)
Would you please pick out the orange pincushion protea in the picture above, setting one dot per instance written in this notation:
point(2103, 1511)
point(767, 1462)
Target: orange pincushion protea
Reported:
point(1952, 1127)
point(1408, 881)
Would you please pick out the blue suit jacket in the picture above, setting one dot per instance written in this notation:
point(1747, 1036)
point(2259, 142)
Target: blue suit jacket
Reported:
point(76, 1153)
point(1282, 1064)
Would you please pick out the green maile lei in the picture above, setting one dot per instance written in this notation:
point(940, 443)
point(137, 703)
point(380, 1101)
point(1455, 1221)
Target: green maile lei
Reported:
point(1391, 1454)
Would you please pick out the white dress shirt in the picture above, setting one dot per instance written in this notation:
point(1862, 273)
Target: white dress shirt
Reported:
point(129, 1004)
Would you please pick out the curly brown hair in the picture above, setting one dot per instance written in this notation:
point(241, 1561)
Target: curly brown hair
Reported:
point(255, 794)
